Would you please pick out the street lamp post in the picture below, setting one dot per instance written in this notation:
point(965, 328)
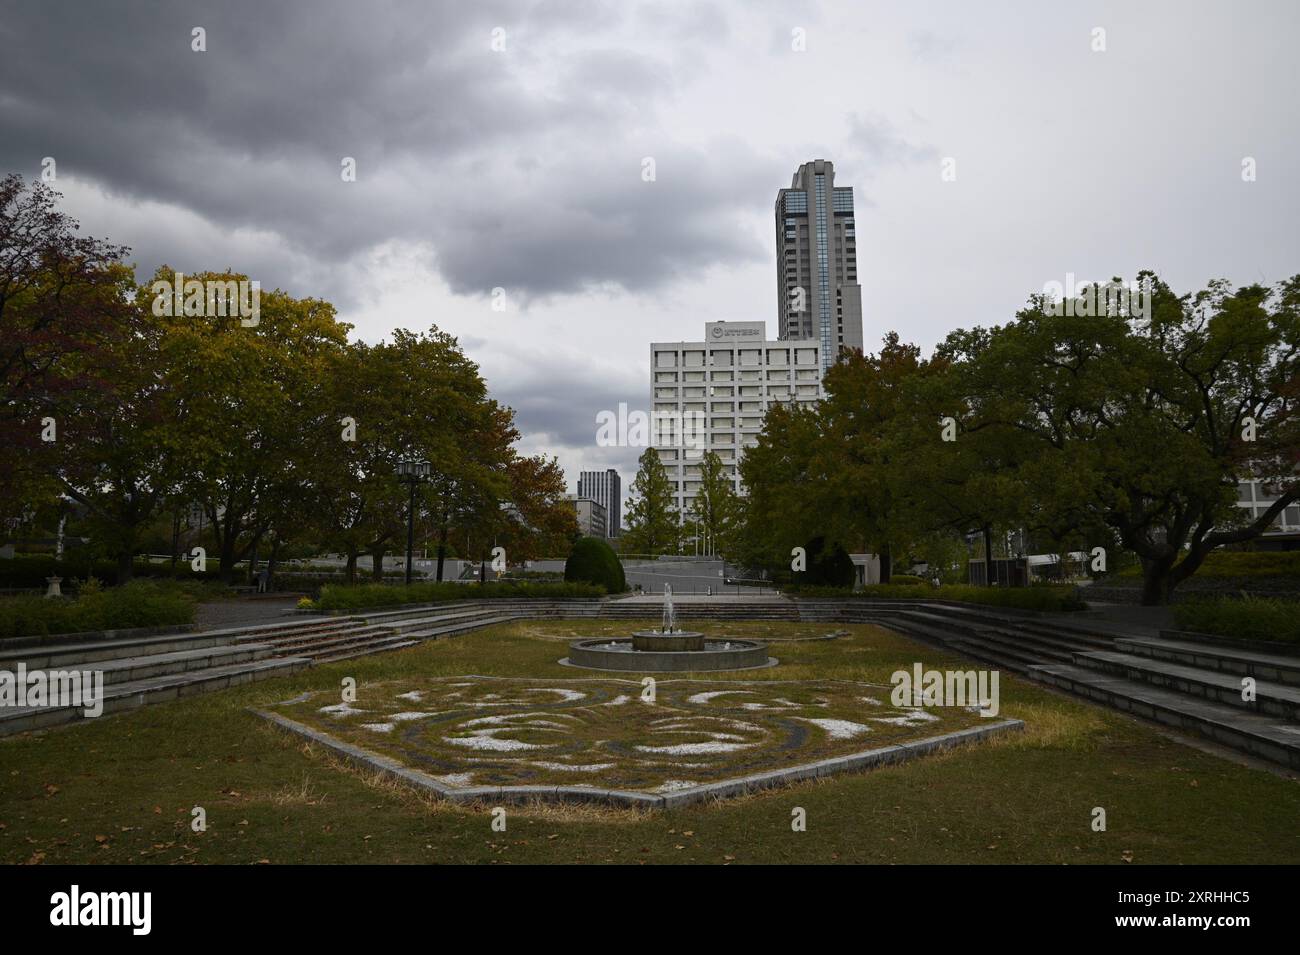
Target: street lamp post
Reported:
point(411, 472)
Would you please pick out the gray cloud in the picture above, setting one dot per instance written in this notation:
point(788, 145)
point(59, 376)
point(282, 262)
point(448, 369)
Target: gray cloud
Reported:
point(878, 142)
point(455, 144)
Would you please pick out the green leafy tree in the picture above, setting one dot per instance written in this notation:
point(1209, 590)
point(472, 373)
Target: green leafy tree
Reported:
point(247, 401)
point(1144, 424)
point(652, 523)
point(778, 514)
point(116, 455)
point(716, 508)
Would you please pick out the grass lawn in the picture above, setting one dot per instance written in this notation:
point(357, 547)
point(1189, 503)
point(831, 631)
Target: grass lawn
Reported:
point(121, 789)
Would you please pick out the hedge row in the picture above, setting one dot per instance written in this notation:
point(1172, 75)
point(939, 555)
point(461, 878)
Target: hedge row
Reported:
point(138, 604)
point(1247, 618)
point(364, 596)
point(1039, 597)
point(1241, 563)
point(29, 571)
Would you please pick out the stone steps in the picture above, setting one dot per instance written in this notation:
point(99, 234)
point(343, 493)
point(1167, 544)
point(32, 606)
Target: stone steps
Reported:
point(1037, 649)
point(1277, 668)
point(290, 641)
point(1272, 699)
point(1267, 737)
point(132, 694)
point(433, 629)
point(50, 656)
point(363, 650)
point(1194, 688)
point(132, 669)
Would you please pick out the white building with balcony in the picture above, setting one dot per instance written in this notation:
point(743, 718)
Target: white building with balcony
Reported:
point(712, 395)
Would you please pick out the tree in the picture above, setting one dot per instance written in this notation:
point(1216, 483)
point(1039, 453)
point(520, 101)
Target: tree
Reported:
point(543, 520)
point(60, 306)
point(716, 508)
point(867, 430)
point(778, 514)
point(251, 407)
point(834, 472)
point(652, 525)
point(1145, 423)
point(117, 455)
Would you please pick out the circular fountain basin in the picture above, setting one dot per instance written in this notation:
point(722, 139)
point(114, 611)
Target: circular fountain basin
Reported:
point(627, 656)
point(679, 640)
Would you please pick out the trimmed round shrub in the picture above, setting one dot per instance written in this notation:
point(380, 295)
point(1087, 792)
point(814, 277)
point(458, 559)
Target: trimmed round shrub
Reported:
point(593, 561)
point(905, 579)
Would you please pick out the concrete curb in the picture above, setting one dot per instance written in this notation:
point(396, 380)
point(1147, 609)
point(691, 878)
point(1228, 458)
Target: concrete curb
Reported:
point(834, 766)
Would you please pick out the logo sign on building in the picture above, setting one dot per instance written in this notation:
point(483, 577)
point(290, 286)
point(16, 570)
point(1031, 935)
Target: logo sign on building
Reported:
point(734, 331)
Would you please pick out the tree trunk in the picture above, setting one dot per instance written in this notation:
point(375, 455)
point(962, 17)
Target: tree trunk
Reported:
point(886, 563)
point(351, 568)
point(988, 556)
point(227, 568)
point(1155, 589)
point(442, 550)
point(377, 565)
point(125, 567)
point(270, 565)
point(1156, 582)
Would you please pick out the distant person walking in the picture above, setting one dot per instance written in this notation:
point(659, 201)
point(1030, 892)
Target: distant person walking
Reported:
point(263, 580)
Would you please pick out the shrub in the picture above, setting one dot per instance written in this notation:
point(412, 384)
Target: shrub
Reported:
point(368, 596)
point(28, 571)
point(1241, 563)
point(593, 561)
point(909, 580)
point(1247, 618)
point(138, 604)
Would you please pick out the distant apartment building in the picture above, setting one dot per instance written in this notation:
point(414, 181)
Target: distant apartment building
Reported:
point(605, 488)
point(818, 295)
point(592, 517)
point(1255, 497)
point(712, 395)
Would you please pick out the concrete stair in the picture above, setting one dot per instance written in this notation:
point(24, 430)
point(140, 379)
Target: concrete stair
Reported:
point(1190, 686)
point(136, 672)
point(704, 609)
point(1268, 737)
point(1271, 699)
point(1274, 667)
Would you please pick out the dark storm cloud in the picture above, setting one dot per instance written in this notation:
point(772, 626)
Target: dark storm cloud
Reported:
point(529, 184)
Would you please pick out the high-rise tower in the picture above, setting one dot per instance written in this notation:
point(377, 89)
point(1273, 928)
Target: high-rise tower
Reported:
point(606, 489)
point(818, 295)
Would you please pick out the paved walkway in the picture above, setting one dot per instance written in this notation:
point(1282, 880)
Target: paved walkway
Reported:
point(1129, 618)
point(239, 612)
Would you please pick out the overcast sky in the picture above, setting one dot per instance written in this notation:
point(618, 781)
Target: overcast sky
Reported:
point(521, 168)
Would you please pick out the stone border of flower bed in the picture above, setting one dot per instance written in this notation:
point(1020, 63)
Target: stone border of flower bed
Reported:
point(705, 792)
